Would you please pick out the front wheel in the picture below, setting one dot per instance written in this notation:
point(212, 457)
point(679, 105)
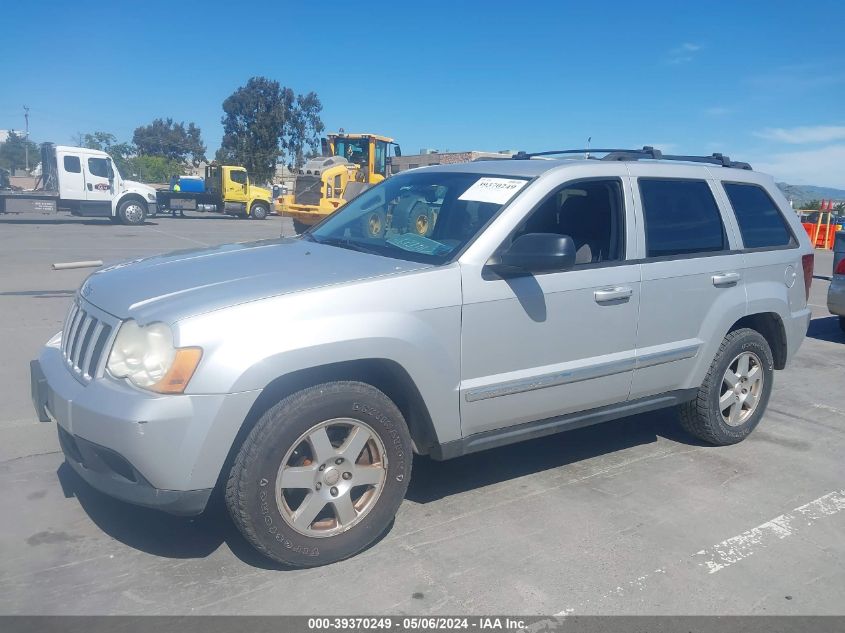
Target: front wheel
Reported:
point(733, 397)
point(321, 475)
point(131, 212)
point(258, 212)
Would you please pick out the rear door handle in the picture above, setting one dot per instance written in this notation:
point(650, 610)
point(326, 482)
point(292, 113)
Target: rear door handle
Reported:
point(723, 280)
point(613, 295)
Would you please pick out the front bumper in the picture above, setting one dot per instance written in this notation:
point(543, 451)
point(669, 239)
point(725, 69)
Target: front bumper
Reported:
point(163, 452)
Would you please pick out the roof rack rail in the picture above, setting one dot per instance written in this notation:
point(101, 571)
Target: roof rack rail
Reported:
point(647, 152)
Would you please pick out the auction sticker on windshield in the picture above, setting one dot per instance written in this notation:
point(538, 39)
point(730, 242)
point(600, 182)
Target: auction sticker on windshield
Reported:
point(496, 190)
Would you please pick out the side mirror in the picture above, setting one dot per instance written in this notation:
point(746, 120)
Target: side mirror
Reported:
point(397, 151)
point(324, 146)
point(111, 171)
point(536, 253)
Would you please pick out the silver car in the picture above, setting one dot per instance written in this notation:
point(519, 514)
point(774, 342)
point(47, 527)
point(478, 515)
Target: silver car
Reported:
point(444, 311)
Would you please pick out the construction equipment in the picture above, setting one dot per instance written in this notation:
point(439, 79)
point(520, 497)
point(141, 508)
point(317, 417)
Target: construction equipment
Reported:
point(350, 164)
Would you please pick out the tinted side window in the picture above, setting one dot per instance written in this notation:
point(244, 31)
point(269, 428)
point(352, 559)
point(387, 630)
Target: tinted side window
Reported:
point(238, 177)
point(591, 212)
point(98, 167)
point(760, 221)
point(72, 164)
point(681, 217)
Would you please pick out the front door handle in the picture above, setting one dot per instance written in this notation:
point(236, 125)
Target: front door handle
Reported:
point(90, 187)
point(724, 280)
point(613, 295)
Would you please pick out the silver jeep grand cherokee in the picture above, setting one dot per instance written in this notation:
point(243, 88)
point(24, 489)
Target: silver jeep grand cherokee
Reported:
point(444, 311)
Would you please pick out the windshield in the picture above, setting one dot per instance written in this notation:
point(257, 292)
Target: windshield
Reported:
point(424, 216)
point(354, 150)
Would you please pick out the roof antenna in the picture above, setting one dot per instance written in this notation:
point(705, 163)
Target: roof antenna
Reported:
point(587, 153)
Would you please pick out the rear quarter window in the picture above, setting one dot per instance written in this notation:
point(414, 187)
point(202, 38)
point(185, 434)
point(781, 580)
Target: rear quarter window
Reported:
point(72, 164)
point(761, 223)
point(681, 217)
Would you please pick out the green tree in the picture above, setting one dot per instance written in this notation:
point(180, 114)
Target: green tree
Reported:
point(14, 150)
point(263, 122)
point(154, 169)
point(174, 141)
point(812, 205)
point(253, 126)
point(304, 129)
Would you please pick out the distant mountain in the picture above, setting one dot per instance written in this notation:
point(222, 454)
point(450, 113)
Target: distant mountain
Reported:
point(799, 194)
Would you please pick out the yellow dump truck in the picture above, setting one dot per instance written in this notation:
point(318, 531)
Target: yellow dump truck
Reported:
point(225, 189)
point(350, 164)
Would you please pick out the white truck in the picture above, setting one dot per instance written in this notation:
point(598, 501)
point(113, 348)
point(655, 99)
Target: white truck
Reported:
point(85, 182)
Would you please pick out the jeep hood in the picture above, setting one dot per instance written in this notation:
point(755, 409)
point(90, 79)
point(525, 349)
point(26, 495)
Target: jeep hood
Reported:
point(185, 283)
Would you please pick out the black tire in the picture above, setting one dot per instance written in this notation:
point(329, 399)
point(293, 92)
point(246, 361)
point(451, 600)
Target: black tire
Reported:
point(251, 494)
point(374, 224)
point(299, 226)
point(702, 417)
point(258, 211)
point(132, 212)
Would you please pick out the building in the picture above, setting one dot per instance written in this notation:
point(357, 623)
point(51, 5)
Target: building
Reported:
point(433, 157)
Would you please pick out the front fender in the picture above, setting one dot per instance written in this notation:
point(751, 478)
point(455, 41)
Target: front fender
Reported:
point(413, 321)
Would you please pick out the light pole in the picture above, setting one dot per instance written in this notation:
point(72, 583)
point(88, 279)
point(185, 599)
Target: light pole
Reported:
point(26, 138)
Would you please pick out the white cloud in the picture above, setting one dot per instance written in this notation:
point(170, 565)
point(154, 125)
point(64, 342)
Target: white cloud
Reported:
point(683, 53)
point(821, 166)
point(805, 134)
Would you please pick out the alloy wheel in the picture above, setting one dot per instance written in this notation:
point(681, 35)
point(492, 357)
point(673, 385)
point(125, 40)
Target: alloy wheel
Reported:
point(331, 478)
point(742, 386)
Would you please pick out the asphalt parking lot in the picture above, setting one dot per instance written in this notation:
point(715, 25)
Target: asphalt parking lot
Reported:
point(629, 517)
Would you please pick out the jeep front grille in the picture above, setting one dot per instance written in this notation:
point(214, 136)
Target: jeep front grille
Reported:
point(84, 341)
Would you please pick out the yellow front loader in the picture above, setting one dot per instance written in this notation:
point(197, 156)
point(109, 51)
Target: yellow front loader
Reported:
point(350, 164)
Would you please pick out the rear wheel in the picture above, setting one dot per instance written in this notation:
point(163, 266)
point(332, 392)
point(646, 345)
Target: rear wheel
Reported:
point(321, 475)
point(132, 212)
point(733, 397)
point(258, 211)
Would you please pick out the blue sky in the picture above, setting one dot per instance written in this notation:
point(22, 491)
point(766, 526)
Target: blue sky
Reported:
point(761, 81)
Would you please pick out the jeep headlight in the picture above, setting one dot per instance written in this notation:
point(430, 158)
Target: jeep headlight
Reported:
point(147, 358)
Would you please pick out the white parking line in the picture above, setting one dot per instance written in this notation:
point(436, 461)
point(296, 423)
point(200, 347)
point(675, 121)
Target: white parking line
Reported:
point(739, 547)
point(180, 237)
point(743, 545)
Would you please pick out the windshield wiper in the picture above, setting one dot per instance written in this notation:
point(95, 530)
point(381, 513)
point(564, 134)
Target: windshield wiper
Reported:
point(345, 243)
